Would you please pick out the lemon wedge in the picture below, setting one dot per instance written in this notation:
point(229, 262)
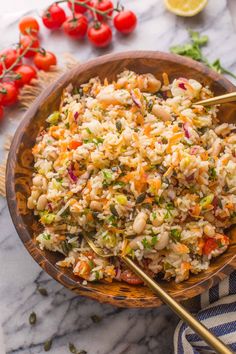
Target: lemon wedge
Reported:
point(186, 8)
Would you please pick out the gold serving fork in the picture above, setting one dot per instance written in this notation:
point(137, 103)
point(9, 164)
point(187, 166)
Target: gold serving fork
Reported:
point(214, 342)
point(227, 98)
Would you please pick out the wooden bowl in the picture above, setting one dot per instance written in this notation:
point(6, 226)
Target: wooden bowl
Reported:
point(20, 162)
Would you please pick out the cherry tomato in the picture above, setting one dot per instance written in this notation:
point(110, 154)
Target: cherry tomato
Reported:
point(130, 278)
point(209, 246)
point(8, 93)
point(28, 25)
point(102, 5)
point(45, 60)
point(76, 27)
point(78, 8)
point(54, 17)
point(100, 35)
point(9, 57)
point(125, 21)
point(1, 113)
point(29, 42)
point(25, 74)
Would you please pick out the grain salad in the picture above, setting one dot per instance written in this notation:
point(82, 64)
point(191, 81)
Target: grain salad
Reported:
point(140, 167)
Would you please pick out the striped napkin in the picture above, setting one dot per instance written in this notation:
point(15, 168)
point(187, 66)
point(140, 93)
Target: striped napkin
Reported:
point(218, 313)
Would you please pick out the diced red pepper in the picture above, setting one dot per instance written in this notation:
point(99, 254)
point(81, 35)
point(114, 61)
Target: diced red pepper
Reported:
point(209, 246)
point(74, 144)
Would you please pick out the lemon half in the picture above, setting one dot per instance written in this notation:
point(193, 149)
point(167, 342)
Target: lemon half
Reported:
point(185, 7)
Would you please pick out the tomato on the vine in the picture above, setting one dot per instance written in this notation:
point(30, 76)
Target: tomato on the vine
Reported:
point(76, 27)
point(8, 93)
point(30, 42)
point(125, 21)
point(44, 60)
point(1, 113)
point(100, 35)
point(25, 73)
point(78, 8)
point(102, 5)
point(29, 25)
point(9, 57)
point(54, 17)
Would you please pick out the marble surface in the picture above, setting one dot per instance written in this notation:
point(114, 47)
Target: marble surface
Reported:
point(62, 315)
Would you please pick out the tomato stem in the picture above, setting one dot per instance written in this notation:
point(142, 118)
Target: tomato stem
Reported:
point(17, 61)
point(88, 7)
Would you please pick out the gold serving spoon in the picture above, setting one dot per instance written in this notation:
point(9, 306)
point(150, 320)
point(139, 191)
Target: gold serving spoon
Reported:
point(187, 317)
point(227, 98)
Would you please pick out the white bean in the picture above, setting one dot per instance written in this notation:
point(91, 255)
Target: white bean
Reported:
point(163, 241)
point(232, 139)
point(35, 194)
point(209, 230)
point(209, 216)
point(40, 181)
point(30, 203)
point(134, 243)
point(42, 202)
point(161, 112)
point(148, 83)
point(217, 146)
point(139, 223)
point(94, 205)
point(222, 129)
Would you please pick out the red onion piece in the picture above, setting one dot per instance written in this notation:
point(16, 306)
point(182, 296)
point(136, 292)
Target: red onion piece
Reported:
point(76, 115)
point(135, 99)
point(186, 130)
point(182, 86)
point(70, 170)
point(118, 273)
point(194, 150)
point(190, 177)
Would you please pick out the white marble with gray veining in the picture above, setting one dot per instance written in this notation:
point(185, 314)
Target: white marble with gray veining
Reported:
point(63, 315)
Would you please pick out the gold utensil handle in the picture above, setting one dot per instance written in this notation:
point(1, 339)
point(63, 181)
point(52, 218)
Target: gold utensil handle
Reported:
point(197, 326)
point(228, 97)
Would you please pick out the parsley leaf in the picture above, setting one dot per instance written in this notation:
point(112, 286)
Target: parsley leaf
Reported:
point(193, 50)
point(175, 235)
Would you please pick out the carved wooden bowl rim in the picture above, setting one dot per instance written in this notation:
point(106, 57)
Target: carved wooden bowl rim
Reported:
point(118, 294)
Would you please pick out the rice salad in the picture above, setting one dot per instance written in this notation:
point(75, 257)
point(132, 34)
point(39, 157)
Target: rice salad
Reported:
point(141, 168)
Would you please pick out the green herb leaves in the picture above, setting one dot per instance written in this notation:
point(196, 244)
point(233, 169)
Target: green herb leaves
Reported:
point(194, 50)
point(175, 235)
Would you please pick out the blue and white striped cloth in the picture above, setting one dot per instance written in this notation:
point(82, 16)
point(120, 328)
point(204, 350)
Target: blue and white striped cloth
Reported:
point(218, 313)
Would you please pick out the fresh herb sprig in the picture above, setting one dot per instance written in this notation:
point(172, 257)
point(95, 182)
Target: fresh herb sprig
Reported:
point(194, 51)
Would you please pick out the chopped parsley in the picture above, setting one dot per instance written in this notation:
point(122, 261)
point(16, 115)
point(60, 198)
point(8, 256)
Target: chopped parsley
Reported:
point(175, 235)
point(212, 173)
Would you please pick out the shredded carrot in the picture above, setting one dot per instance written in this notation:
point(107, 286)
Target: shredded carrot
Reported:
point(229, 206)
point(105, 82)
point(90, 217)
point(172, 140)
point(35, 149)
point(196, 210)
point(204, 155)
point(168, 172)
point(201, 244)
point(140, 119)
point(175, 129)
point(166, 80)
point(225, 160)
point(186, 265)
point(147, 129)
